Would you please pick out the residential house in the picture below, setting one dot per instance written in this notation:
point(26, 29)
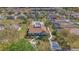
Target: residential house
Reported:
point(74, 31)
point(15, 26)
point(11, 17)
point(2, 27)
point(37, 28)
point(75, 15)
point(1, 17)
point(21, 17)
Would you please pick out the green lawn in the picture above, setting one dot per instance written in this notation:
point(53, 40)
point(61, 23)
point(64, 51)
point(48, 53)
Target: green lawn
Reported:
point(21, 45)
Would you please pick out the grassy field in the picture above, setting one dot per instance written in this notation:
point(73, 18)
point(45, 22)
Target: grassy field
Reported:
point(43, 45)
point(67, 39)
point(14, 40)
point(20, 45)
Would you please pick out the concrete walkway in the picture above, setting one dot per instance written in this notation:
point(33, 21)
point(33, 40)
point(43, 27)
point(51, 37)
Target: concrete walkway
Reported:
point(34, 42)
point(50, 38)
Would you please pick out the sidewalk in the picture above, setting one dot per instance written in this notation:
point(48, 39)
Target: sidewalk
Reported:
point(51, 37)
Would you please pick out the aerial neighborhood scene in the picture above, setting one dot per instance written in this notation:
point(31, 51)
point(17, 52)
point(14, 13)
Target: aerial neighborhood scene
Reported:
point(39, 29)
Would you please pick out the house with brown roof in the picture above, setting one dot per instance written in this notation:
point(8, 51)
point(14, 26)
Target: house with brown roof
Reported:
point(37, 28)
